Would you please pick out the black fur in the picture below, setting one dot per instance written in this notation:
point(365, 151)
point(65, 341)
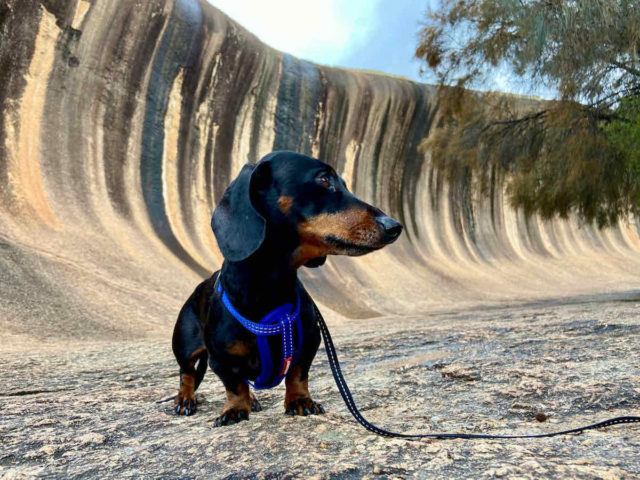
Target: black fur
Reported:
point(258, 228)
point(238, 227)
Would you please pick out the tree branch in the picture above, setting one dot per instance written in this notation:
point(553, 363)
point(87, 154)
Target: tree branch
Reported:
point(627, 68)
point(509, 123)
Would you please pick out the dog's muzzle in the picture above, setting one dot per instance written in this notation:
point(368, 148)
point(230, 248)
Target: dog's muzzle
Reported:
point(391, 229)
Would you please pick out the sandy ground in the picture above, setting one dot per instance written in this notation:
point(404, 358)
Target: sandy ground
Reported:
point(90, 412)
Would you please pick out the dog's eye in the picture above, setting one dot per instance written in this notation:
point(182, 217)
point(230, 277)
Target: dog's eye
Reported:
point(324, 181)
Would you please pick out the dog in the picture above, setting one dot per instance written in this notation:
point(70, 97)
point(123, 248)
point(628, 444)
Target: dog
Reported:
point(287, 211)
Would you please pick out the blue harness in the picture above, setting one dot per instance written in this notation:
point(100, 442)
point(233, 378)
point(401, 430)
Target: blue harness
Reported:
point(279, 321)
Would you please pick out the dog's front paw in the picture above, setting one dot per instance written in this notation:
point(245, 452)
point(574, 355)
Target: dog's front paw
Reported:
point(186, 405)
point(231, 417)
point(303, 406)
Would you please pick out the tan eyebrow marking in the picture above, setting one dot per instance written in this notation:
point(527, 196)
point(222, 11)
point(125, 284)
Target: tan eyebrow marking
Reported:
point(285, 203)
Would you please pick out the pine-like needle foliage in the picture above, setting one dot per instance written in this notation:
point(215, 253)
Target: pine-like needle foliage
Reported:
point(577, 154)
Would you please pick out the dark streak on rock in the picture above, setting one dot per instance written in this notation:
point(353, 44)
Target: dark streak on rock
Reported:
point(119, 113)
point(22, 393)
point(18, 30)
point(173, 53)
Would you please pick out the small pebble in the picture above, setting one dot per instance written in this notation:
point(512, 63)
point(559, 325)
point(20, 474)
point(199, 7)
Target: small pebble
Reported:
point(92, 437)
point(48, 449)
point(541, 417)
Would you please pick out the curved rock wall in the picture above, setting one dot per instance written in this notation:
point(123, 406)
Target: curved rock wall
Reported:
point(121, 123)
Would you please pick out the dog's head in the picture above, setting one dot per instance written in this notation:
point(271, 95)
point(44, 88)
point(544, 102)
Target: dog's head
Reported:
point(303, 198)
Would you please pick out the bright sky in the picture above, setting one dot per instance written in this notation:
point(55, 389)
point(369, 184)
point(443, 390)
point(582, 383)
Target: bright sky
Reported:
point(376, 35)
point(368, 34)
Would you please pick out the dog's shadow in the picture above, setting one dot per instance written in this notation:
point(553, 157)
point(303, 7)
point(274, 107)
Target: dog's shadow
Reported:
point(213, 401)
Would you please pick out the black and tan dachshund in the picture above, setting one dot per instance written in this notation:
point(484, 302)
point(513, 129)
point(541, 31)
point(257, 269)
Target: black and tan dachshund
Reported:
point(287, 211)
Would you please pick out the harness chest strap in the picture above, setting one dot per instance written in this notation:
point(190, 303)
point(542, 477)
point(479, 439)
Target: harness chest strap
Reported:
point(280, 321)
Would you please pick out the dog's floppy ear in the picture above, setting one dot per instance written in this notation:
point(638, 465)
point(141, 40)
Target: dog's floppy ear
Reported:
point(237, 225)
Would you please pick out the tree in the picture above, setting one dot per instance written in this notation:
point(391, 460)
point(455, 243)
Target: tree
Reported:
point(578, 153)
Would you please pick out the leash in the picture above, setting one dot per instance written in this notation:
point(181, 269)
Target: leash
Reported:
point(348, 400)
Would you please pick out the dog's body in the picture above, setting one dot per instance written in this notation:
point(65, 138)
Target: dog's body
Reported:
point(287, 211)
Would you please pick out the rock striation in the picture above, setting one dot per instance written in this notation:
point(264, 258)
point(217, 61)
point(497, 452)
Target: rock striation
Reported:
point(122, 122)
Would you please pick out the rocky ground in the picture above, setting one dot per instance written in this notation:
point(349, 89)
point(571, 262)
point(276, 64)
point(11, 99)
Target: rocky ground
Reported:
point(90, 411)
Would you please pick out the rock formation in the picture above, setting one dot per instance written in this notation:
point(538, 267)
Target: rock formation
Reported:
point(122, 122)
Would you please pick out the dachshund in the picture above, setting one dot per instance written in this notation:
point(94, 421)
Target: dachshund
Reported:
point(287, 211)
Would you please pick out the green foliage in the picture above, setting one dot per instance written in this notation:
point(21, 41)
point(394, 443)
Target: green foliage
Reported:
point(557, 161)
point(578, 154)
point(624, 134)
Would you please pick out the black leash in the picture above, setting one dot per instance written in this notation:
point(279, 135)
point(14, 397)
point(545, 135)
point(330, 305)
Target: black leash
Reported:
point(348, 400)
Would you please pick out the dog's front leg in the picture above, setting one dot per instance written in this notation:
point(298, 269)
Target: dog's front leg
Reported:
point(297, 399)
point(240, 402)
point(237, 406)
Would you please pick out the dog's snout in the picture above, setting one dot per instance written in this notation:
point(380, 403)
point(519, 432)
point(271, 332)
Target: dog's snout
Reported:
point(391, 229)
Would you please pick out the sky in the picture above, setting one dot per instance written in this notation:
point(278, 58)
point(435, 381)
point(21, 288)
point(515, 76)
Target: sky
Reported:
point(364, 34)
point(376, 35)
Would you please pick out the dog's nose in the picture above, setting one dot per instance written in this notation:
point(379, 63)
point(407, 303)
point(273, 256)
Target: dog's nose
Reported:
point(391, 229)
